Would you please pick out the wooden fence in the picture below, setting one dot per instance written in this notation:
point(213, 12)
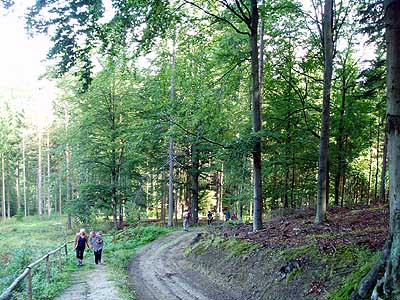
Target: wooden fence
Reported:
point(6, 295)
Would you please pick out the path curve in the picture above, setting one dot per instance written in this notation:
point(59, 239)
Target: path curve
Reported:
point(160, 271)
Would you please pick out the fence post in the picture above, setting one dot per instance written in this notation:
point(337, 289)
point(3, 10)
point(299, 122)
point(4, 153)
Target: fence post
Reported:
point(30, 284)
point(60, 259)
point(48, 267)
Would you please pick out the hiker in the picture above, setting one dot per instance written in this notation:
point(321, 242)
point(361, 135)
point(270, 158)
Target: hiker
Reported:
point(209, 217)
point(227, 215)
point(186, 217)
point(96, 243)
point(81, 241)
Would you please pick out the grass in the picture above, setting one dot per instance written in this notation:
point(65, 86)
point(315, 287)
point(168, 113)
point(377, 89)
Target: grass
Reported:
point(233, 247)
point(23, 241)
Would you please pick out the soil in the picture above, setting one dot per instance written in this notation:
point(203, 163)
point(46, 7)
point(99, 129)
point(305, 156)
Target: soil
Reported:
point(162, 270)
point(90, 284)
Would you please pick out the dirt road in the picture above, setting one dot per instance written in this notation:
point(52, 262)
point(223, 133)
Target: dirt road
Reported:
point(90, 284)
point(161, 271)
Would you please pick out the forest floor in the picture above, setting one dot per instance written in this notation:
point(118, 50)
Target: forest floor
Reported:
point(359, 226)
point(292, 258)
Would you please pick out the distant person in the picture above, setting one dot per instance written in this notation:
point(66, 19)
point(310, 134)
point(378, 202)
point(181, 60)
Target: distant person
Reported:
point(186, 218)
point(234, 217)
point(210, 217)
point(227, 215)
point(81, 241)
point(96, 243)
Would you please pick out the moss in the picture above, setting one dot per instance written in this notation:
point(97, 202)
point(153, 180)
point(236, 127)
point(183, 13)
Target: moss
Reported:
point(354, 263)
point(233, 247)
point(309, 250)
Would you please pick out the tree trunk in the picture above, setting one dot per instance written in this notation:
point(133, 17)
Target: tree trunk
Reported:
point(163, 198)
point(217, 193)
point(377, 165)
point(40, 177)
point(48, 176)
point(343, 189)
point(369, 176)
point(286, 188)
point(3, 190)
point(325, 120)
point(382, 196)
point(68, 168)
point(17, 190)
point(8, 194)
point(60, 197)
point(392, 22)
point(24, 175)
point(340, 140)
point(120, 202)
point(171, 142)
point(257, 123)
point(195, 185)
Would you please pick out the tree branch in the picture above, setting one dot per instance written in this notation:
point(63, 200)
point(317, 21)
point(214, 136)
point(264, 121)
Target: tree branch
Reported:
point(217, 17)
point(231, 69)
point(241, 16)
point(245, 6)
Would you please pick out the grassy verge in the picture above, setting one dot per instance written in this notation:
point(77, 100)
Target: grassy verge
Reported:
point(120, 249)
point(24, 241)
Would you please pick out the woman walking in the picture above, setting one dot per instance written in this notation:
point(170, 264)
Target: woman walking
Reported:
point(81, 241)
point(96, 242)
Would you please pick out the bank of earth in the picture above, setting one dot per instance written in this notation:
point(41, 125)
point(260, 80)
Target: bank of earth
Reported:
point(292, 258)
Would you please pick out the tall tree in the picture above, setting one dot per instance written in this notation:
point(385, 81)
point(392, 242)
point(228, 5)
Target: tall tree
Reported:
point(40, 195)
point(171, 140)
point(3, 190)
point(389, 284)
point(392, 24)
point(325, 121)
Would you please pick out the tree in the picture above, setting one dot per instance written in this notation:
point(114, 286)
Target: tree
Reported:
point(389, 261)
point(392, 23)
point(324, 135)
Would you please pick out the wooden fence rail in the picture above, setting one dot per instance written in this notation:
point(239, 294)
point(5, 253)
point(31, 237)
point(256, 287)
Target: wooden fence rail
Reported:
point(6, 295)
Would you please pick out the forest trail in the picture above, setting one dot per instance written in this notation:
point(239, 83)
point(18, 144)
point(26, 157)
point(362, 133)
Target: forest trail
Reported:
point(161, 271)
point(90, 284)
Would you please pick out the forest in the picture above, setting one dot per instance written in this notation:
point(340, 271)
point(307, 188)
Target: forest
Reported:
point(244, 106)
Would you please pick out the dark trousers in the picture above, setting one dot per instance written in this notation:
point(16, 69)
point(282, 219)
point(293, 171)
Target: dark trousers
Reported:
point(97, 256)
point(79, 252)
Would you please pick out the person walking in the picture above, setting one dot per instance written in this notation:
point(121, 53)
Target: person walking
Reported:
point(186, 217)
point(96, 243)
point(209, 217)
point(81, 241)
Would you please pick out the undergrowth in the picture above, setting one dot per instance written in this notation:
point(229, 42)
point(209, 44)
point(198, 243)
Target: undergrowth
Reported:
point(25, 241)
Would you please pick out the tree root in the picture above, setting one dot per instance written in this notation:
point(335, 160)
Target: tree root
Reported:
point(374, 280)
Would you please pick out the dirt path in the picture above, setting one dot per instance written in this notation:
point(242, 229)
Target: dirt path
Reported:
point(90, 284)
point(161, 271)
